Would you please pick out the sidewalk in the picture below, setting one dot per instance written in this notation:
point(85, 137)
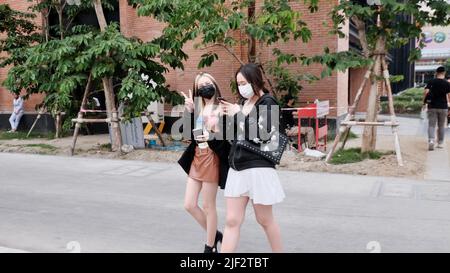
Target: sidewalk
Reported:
point(437, 161)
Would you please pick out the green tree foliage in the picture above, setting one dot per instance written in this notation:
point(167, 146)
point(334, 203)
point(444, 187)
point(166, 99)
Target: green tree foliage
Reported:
point(18, 31)
point(447, 66)
point(218, 23)
point(384, 25)
point(60, 66)
point(400, 21)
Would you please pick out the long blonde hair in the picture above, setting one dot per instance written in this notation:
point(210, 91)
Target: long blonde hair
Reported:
point(195, 88)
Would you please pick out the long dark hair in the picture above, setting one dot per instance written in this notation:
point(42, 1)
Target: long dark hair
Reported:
point(253, 74)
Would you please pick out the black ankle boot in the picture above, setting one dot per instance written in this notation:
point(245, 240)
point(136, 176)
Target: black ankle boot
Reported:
point(210, 249)
point(219, 237)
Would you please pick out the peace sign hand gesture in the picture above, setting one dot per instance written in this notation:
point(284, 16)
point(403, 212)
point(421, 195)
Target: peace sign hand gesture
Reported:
point(188, 101)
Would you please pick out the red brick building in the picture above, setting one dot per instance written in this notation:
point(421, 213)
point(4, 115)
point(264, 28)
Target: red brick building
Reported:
point(338, 89)
point(5, 97)
point(334, 88)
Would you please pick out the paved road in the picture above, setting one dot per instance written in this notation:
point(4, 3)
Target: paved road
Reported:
point(131, 206)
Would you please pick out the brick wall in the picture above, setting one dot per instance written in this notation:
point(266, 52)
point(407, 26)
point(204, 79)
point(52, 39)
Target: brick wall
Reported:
point(334, 88)
point(147, 28)
point(5, 96)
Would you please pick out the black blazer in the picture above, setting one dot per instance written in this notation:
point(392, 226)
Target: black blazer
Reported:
point(240, 158)
point(220, 147)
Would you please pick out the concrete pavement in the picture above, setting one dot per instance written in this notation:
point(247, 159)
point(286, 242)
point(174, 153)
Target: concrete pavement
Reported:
point(63, 204)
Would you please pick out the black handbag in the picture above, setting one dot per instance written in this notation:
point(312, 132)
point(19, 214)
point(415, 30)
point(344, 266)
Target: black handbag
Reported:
point(271, 150)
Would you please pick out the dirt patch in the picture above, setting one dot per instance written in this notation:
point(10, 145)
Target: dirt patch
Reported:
point(413, 152)
point(142, 154)
point(87, 146)
point(29, 149)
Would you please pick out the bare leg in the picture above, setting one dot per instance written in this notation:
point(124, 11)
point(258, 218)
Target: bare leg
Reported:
point(310, 136)
point(235, 216)
point(209, 193)
point(265, 218)
point(193, 188)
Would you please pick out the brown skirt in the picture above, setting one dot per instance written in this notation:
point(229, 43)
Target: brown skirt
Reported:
point(205, 166)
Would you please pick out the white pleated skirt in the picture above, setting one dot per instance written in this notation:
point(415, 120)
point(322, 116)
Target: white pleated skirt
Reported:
point(262, 185)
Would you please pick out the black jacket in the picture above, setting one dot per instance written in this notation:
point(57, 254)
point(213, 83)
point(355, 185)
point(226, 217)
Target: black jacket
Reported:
point(287, 118)
point(220, 147)
point(240, 158)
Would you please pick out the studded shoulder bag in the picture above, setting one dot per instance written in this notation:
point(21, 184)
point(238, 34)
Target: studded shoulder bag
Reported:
point(271, 150)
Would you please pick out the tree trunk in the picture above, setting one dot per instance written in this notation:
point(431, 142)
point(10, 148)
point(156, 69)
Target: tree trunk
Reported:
point(60, 10)
point(100, 15)
point(370, 132)
point(252, 42)
point(58, 125)
point(109, 90)
point(45, 24)
point(112, 114)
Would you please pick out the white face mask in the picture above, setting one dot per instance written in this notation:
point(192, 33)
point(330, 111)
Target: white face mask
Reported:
point(246, 90)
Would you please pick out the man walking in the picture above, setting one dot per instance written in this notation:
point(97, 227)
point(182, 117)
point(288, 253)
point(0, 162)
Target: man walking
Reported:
point(17, 113)
point(436, 93)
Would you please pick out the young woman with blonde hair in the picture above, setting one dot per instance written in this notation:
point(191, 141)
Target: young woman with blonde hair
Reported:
point(206, 158)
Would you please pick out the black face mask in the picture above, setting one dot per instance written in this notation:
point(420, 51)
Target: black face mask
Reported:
point(207, 91)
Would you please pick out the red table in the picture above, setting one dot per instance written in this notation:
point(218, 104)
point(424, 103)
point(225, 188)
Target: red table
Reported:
point(317, 111)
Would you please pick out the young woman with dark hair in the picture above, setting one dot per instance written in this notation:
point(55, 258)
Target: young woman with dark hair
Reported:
point(251, 176)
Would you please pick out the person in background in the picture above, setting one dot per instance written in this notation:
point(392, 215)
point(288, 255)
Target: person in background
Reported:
point(290, 125)
point(435, 96)
point(17, 113)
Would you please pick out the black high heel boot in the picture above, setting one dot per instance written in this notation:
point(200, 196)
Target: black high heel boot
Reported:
point(219, 237)
point(210, 249)
point(213, 249)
